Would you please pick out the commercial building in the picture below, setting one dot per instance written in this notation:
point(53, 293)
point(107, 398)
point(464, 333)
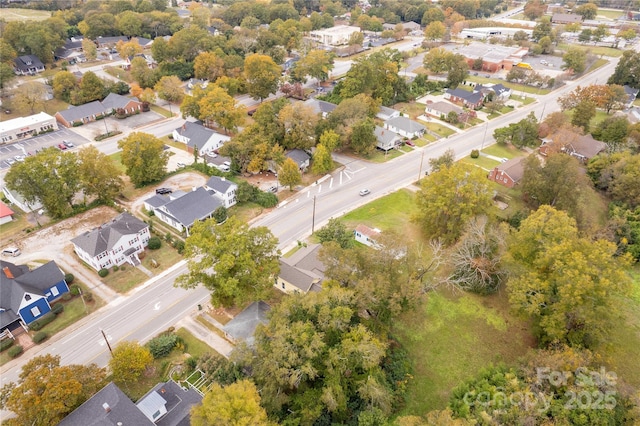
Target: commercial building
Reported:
point(334, 36)
point(21, 127)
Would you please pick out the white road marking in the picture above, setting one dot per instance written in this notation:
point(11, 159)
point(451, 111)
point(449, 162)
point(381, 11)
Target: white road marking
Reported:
point(156, 306)
point(331, 183)
point(319, 189)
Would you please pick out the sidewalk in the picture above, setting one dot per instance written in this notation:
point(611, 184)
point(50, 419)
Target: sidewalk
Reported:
point(201, 332)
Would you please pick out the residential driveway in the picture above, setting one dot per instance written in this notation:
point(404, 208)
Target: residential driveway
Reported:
point(126, 125)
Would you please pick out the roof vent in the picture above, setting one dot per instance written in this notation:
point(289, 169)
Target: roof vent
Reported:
point(106, 407)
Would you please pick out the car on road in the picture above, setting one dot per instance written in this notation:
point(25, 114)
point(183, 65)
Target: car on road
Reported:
point(163, 191)
point(62, 146)
point(364, 192)
point(68, 144)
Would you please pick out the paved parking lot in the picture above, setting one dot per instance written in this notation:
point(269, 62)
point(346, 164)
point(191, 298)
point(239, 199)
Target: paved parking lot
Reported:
point(30, 145)
point(91, 130)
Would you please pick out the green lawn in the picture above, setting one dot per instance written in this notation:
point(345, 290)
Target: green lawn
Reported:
point(450, 338)
point(194, 346)
point(117, 159)
point(439, 129)
point(596, 50)
point(119, 73)
point(503, 151)
point(162, 111)
point(17, 14)
point(379, 156)
point(483, 162)
point(611, 14)
point(513, 86)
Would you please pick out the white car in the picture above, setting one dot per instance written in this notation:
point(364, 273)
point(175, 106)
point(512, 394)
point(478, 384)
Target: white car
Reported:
point(19, 158)
point(364, 192)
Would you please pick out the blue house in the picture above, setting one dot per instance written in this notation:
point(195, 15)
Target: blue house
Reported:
point(26, 295)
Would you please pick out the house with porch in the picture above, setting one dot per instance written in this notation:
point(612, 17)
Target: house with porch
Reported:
point(114, 243)
point(224, 189)
point(405, 127)
point(509, 173)
point(195, 135)
point(27, 65)
point(182, 212)
point(26, 295)
point(299, 156)
point(386, 139)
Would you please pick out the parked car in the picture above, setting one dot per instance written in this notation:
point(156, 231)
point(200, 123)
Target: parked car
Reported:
point(62, 146)
point(68, 144)
point(273, 189)
point(410, 142)
point(19, 158)
point(364, 192)
point(11, 251)
point(227, 163)
point(163, 191)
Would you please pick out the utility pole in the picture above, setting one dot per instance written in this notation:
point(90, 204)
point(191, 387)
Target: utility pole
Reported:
point(313, 217)
point(484, 135)
point(420, 169)
point(107, 341)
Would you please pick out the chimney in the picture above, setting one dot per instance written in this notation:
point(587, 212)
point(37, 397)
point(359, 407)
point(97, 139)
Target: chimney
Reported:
point(7, 272)
point(106, 407)
point(184, 127)
point(223, 179)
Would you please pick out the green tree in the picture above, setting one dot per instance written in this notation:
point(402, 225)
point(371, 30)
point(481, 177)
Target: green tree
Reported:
point(128, 361)
point(335, 230)
point(614, 131)
point(208, 66)
point(438, 60)
point(91, 88)
point(299, 122)
point(587, 11)
point(363, 139)
point(520, 134)
point(289, 174)
point(99, 175)
point(435, 31)
point(144, 158)
point(6, 74)
point(7, 52)
point(314, 355)
point(375, 75)
point(262, 75)
point(450, 197)
point(574, 59)
point(29, 97)
point(567, 284)
point(322, 162)
point(542, 29)
point(46, 392)
point(64, 83)
point(217, 106)
point(316, 64)
point(627, 71)
point(169, 88)
point(236, 262)
point(445, 160)
point(458, 71)
point(582, 114)
point(237, 404)
point(129, 23)
point(585, 35)
point(142, 74)
point(50, 177)
point(89, 49)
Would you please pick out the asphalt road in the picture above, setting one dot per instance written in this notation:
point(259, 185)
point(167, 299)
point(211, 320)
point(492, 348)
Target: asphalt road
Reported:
point(158, 304)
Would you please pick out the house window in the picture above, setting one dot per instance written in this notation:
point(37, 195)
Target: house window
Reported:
point(282, 284)
point(54, 291)
point(35, 311)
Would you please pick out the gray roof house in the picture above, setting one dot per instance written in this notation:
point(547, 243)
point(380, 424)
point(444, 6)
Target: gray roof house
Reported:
point(181, 213)
point(114, 243)
point(167, 404)
point(194, 134)
point(18, 200)
point(302, 272)
point(92, 110)
point(25, 295)
point(386, 138)
point(110, 41)
point(631, 93)
point(27, 65)
point(405, 127)
point(242, 327)
point(298, 155)
point(441, 108)
point(225, 189)
point(387, 113)
point(321, 107)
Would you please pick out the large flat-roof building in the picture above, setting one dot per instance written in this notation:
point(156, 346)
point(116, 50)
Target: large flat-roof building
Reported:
point(334, 36)
point(18, 128)
point(494, 57)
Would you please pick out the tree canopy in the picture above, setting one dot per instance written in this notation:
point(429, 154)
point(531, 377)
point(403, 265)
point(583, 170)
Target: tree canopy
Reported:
point(144, 157)
point(237, 404)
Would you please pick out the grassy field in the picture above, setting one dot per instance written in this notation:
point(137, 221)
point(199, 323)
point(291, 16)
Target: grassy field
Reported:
point(451, 337)
point(162, 111)
point(483, 162)
point(14, 229)
point(513, 86)
point(379, 156)
point(596, 50)
point(410, 109)
point(17, 14)
point(503, 151)
point(439, 129)
point(609, 13)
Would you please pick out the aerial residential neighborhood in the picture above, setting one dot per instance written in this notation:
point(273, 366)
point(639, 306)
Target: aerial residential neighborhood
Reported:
point(333, 213)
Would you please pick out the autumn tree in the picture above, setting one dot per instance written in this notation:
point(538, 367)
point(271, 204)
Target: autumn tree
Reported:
point(29, 97)
point(208, 66)
point(299, 122)
point(236, 262)
point(51, 177)
point(169, 88)
point(587, 11)
point(566, 283)
point(362, 139)
point(47, 392)
point(375, 75)
point(64, 83)
point(289, 174)
point(91, 88)
point(435, 31)
point(89, 49)
point(129, 48)
point(144, 158)
point(262, 75)
point(237, 404)
point(604, 96)
point(217, 106)
point(99, 175)
point(316, 356)
point(316, 64)
point(448, 198)
point(534, 9)
point(128, 361)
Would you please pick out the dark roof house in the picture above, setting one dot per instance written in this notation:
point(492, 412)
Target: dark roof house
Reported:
point(466, 98)
point(28, 65)
point(631, 93)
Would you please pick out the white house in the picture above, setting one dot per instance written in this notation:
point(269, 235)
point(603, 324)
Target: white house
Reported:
point(182, 212)
point(367, 236)
point(196, 135)
point(223, 188)
point(386, 139)
point(405, 127)
point(114, 243)
point(334, 36)
point(387, 113)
